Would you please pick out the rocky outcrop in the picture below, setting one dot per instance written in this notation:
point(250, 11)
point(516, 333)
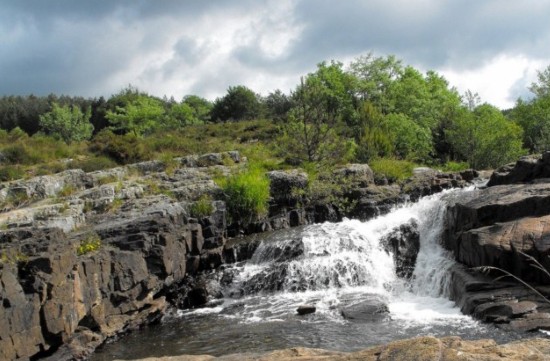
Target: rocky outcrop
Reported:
point(419, 349)
point(505, 226)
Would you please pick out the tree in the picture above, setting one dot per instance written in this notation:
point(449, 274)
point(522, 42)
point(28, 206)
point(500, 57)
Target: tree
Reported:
point(277, 105)
point(485, 138)
point(139, 116)
point(534, 117)
point(541, 88)
point(200, 108)
point(67, 122)
point(410, 140)
point(240, 103)
point(310, 133)
point(374, 76)
point(373, 139)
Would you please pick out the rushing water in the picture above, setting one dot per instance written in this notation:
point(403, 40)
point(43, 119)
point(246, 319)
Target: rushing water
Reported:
point(343, 266)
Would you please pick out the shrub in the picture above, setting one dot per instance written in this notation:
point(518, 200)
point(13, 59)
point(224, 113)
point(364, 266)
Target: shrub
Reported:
point(91, 164)
point(392, 169)
point(247, 195)
point(202, 207)
point(124, 149)
point(91, 243)
point(11, 172)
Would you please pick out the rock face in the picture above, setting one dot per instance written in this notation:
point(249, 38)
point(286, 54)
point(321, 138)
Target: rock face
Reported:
point(502, 226)
point(418, 349)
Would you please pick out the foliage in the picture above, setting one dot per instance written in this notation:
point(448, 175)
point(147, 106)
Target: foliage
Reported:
point(11, 172)
point(411, 141)
point(246, 194)
point(138, 116)
point(124, 149)
point(67, 123)
point(374, 76)
point(202, 207)
point(240, 103)
point(392, 169)
point(93, 163)
point(541, 88)
point(91, 243)
point(485, 138)
point(534, 117)
point(310, 133)
point(277, 105)
point(373, 137)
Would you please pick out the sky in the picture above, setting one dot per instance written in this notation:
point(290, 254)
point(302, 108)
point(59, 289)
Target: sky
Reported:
point(96, 48)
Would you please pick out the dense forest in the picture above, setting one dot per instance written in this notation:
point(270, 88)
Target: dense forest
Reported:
point(372, 110)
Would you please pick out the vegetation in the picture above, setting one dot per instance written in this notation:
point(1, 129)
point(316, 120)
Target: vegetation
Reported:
point(90, 243)
point(202, 207)
point(246, 194)
point(376, 110)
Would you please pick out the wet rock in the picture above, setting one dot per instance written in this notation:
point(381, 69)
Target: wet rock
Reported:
point(370, 310)
point(306, 309)
point(404, 244)
point(504, 311)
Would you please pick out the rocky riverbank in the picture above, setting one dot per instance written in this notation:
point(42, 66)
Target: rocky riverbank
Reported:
point(86, 256)
point(503, 225)
point(417, 349)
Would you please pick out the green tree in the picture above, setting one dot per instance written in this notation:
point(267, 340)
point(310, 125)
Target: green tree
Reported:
point(373, 139)
point(68, 123)
point(140, 115)
point(277, 105)
point(374, 76)
point(200, 108)
point(485, 138)
point(534, 117)
point(541, 88)
point(411, 141)
point(240, 103)
point(310, 133)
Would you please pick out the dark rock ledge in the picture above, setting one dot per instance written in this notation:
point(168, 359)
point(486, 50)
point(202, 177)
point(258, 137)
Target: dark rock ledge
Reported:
point(498, 227)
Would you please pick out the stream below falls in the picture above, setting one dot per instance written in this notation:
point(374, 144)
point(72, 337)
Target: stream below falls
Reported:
point(343, 270)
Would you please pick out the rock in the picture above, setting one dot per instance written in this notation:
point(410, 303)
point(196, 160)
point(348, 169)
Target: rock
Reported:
point(306, 309)
point(526, 169)
point(427, 348)
point(403, 243)
point(285, 184)
point(370, 310)
point(501, 221)
point(361, 175)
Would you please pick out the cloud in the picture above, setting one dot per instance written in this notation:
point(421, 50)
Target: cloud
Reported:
point(203, 47)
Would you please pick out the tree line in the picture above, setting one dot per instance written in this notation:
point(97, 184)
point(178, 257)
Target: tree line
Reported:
point(373, 107)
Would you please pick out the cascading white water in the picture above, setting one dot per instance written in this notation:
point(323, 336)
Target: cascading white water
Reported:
point(348, 257)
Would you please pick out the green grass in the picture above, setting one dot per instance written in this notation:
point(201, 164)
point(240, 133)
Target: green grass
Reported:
point(247, 194)
point(393, 169)
point(451, 166)
point(202, 207)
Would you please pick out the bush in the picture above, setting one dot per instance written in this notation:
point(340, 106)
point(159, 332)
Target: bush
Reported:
point(392, 169)
point(247, 195)
point(10, 172)
point(202, 207)
point(124, 149)
point(89, 244)
point(93, 163)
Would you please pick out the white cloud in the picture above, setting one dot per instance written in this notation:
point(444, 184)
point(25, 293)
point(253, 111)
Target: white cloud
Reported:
point(495, 79)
